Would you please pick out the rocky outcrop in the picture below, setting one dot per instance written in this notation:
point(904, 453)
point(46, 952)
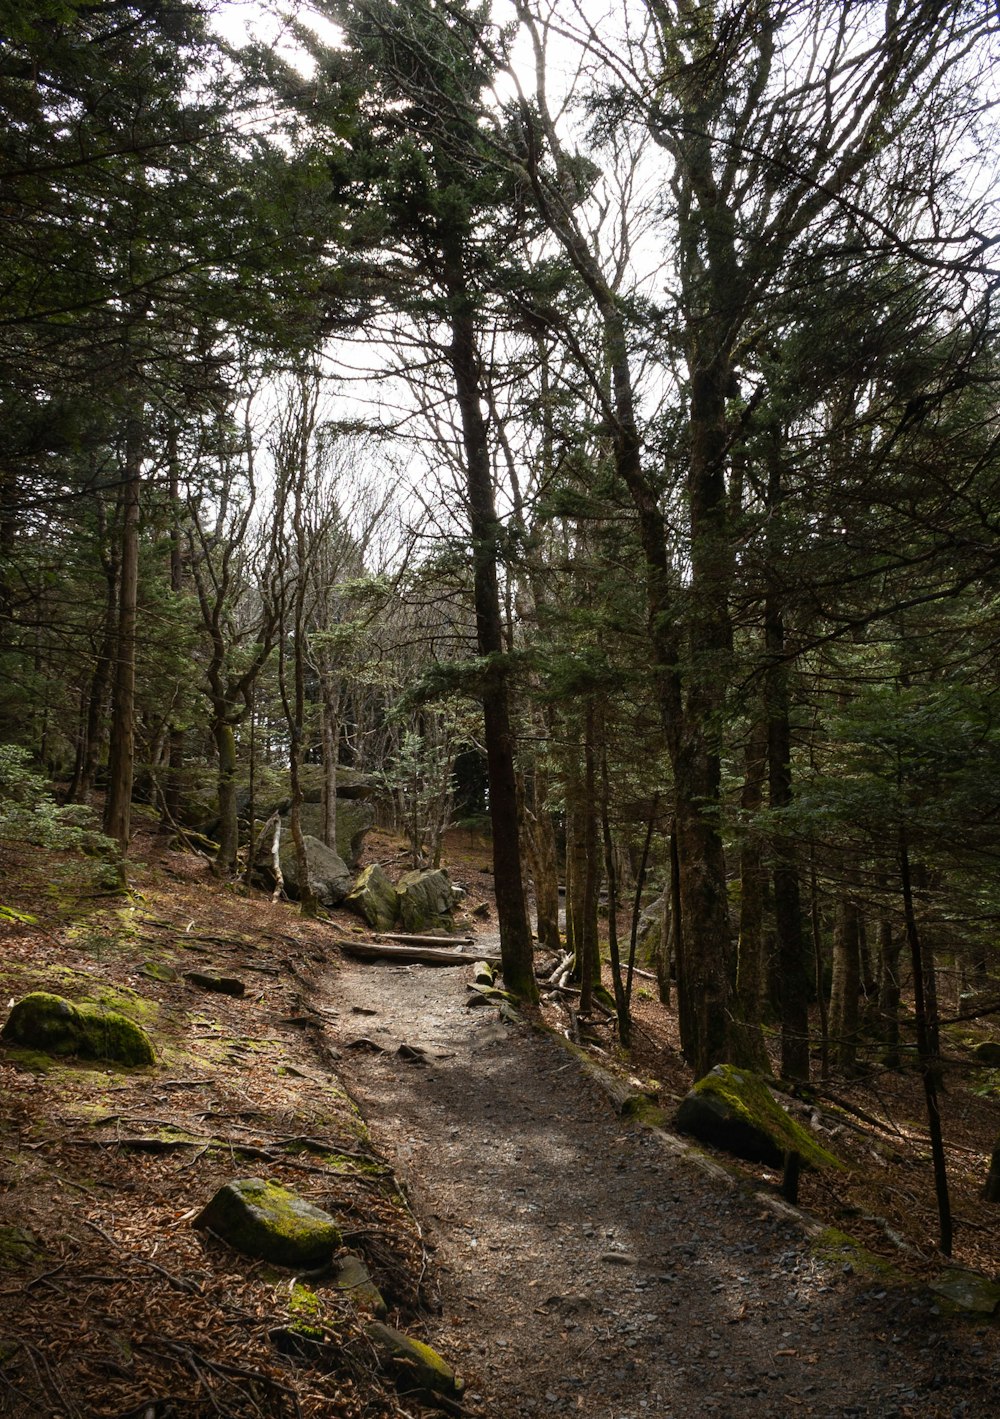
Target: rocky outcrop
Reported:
point(733, 1109)
point(56, 1026)
point(374, 898)
point(267, 1222)
point(426, 901)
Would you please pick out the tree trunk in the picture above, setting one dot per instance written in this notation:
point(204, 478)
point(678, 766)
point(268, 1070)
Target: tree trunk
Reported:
point(888, 987)
point(846, 986)
point(927, 1052)
point(611, 874)
point(228, 835)
point(589, 959)
point(516, 945)
point(330, 729)
point(749, 1040)
point(793, 971)
point(121, 750)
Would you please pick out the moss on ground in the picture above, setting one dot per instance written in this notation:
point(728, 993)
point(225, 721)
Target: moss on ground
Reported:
point(838, 1249)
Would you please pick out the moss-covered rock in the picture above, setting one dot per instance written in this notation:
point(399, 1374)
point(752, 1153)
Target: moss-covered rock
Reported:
point(265, 1221)
point(18, 1247)
point(374, 898)
point(418, 1361)
point(57, 1026)
point(734, 1110)
point(426, 901)
point(351, 1276)
point(969, 1292)
point(159, 971)
point(222, 985)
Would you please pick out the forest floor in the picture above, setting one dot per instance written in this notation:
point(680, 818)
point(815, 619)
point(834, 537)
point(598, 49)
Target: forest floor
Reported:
point(560, 1260)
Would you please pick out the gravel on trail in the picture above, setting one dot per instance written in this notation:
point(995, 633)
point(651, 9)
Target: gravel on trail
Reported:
point(584, 1270)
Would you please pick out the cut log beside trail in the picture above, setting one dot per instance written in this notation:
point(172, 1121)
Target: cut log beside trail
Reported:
point(411, 939)
point(415, 955)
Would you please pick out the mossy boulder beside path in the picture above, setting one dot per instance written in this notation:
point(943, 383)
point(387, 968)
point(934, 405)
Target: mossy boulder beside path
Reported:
point(733, 1109)
point(374, 898)
point(426, 901)
point(56, 1026)
point(265, 1221)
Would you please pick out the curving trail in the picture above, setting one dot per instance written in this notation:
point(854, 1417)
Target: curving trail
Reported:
point(583, 1270)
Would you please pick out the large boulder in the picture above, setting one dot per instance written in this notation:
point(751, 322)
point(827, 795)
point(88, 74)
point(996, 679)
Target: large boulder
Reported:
point(733, 1109)
point(374, 898)
point(265, 1221)
point(329, 875)
point(56, 1026)
point(426, 901)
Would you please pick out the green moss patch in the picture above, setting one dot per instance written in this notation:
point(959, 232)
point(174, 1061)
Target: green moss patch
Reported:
point(836, 1248)
point(57, 1026)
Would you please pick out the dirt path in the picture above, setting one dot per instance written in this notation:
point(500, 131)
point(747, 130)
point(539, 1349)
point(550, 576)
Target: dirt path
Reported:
point(583, 1270)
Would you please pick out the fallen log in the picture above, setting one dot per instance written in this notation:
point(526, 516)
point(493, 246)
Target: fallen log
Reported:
point(407, 939)
point(415, 955)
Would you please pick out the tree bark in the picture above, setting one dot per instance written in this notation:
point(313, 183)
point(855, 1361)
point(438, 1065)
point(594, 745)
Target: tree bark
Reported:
point(224, 738)
point(515, 933)
point(749, 1042)
point(121, 750)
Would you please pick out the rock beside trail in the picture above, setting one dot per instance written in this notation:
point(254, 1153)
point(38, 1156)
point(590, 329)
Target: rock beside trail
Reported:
point(56, 1026)
point(351, 1276)
point(426, 901)
point(968, 1291)
point(733, 1109)
point(222, 985)
point(329, 875)
point(374, 898)
point(418, 1361)
point(265, 1221)
point(649, 936)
